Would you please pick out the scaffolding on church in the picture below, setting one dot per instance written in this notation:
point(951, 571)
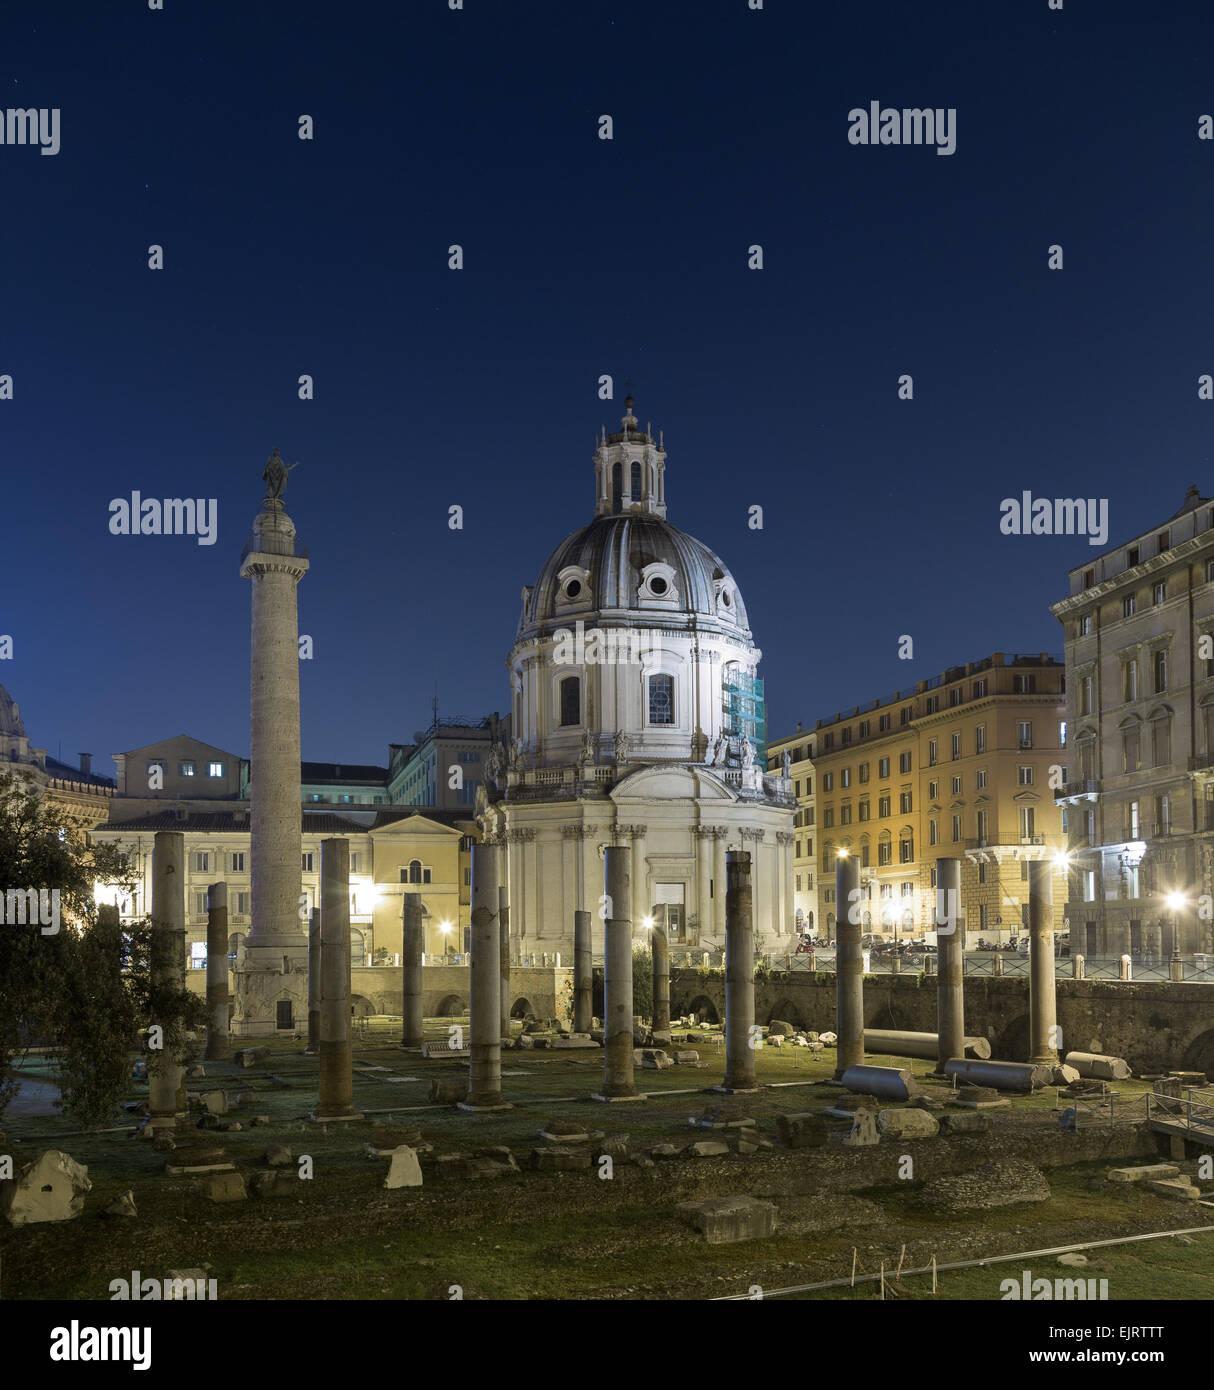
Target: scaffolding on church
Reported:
point(746, 712)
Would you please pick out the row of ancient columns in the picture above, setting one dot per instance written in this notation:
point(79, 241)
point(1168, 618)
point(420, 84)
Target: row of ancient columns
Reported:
point(950, 1003)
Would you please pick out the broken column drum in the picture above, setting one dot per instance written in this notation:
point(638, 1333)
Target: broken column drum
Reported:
point(218, 1043)
point(485, 984)
point(739, 974)
point(618, 1078)
point(166, 1076)
point(411, 970)
point(849, 966)
point(336, 1094)
point(950, 982)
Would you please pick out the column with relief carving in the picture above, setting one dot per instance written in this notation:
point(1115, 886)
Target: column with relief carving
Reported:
point(785, 838)
point(752, 839)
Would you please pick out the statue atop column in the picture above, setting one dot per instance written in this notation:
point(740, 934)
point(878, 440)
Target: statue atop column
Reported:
point(274, 475)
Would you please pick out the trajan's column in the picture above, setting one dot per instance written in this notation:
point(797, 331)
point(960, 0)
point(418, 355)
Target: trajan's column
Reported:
point(276, 953)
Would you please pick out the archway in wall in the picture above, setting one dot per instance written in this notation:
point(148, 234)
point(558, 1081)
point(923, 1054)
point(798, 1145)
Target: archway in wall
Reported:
point(451, 1006)
point(890, 1016)
point(704, 1009)
point(1012, 1044)
point(521, 1008)
point(1199, 1055)
point(787, 1012)
point(361, 1006)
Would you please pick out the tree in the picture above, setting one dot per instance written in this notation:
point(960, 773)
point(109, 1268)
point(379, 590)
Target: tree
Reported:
point(83, 987)
point(642, 981)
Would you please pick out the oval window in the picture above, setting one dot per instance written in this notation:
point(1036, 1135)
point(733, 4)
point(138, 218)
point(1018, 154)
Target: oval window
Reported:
point(657, 585)
point(573, 588)
point(725, 599)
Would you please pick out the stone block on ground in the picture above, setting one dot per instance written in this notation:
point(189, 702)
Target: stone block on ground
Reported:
point(1064, 1075)
point(724, 1220)
point(49, 1188)
point(122, 1205)
point(275, 1182)
point(964, 1122)
point(448, 1092)
point(686, 1057)
point(828, 1039)
point(780, 1029)
point(404, 1169)
point(224, 1187)
point(216, 1102)
point(863, 1130)
point(616, 1148)
point(277, 1156)
point(911, 1123)
point(252, 1056)
point(802, 1131)
point(706, 1148)
point(664, 1151)
point(1143, 1172)
point(559, 1159)
point(1179, 1188)
point(198, 1156)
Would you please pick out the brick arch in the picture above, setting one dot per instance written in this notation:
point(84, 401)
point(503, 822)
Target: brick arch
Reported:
point(1199, 1055)
point(1012, 1043)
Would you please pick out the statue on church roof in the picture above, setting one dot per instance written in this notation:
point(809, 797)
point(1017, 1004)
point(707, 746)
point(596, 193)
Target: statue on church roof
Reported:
point(720, 750)
point(748, 754)
point(786, 764)
point(274, 475)
point(621, 747)
point(586, 756)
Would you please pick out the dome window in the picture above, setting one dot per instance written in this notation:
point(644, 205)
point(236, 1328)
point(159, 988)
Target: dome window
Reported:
point(573, 588)
point(661, 699)
point(725, 599)
point(657, 585)
point(571, 702)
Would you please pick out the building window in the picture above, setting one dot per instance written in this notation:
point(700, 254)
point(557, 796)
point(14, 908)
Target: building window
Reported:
point(1163, 815)
point(1026, 774)
point(865, 726)
point(202, 862)
point(1024, 733)
point(1130, 750)
point(864, 809)
point(1159, 665)
point(846, 737)
point(661, 699)
point(798, 883)
point(883, 721)
point(883, 807)
point(980, 739)
point(1161, 731)
point(982, 840)
point(1160, 592)
point(1026, 826)
point(979, 690)
point(904, 762)
point(863, 772)
point(954, 696)
point(828, 781)
point(933, 832)
point(931, 752)
point(1131, 557)
point(183, 769)
point(1129, 680)
point(845, 777)
point(243, 904)
point(933, 790)
point(1132, 821)
point(236, 863)
point(956, 829)
point(571, 701)
point(956, 746)
point(200, 904)
point(1127, 606)
point(828, 818)
point(1089, 578)
point(864, 856)
point(884, 853)
point(883, 767)
point(904, 803)
point(1024, 685)
point(306, 863)
point(845, 814)
point(635, 475)
point(1164, 541)
point(906, 850)
point(1089, 886)
point(1085, 695)
point(356, 861)
point(905, 715)
point(828, 741)
point(982, 779)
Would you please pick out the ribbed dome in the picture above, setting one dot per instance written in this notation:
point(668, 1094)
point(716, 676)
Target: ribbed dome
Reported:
point(10, 716)
point(636, 561)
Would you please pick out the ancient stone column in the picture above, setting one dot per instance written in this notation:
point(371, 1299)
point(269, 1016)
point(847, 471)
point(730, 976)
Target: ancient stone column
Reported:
point(166, 1075)
point(617, 974)
point(218, 1044)
point(314, 981)
point(485, 989)
point(336, 1097)
point(950, 981)
point(275, 821)
point(1043, 1007)
point(583, 973)
point(739, 974)
point(849, 966)
point(411, 971)
point(660, 951)
point(503, 924)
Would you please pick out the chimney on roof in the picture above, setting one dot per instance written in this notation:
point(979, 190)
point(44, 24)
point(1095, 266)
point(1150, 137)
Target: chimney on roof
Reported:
point(86, 764)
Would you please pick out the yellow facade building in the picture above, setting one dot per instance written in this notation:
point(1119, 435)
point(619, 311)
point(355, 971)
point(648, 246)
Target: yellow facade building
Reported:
point(960, 765)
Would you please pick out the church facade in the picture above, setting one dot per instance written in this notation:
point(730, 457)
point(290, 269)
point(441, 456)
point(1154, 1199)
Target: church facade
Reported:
point(638, 719)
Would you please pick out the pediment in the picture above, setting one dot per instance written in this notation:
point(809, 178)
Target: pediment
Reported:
point(672, 783)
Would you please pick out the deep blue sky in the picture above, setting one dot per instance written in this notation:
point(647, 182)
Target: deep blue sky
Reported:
point(583, 256)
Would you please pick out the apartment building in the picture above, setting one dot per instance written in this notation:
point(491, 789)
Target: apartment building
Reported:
point(1139, 643)
point(958, 765)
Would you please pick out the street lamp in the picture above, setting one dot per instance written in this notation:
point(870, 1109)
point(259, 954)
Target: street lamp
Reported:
point(445, 928)
point(1175, 901)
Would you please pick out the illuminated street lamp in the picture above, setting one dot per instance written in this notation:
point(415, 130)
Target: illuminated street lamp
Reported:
point(1174, 902)
point(445, 928)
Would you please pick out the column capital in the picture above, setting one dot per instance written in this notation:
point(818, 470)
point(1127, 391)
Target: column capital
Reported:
point(750, 832)
point(636, 831)
point(785, 837)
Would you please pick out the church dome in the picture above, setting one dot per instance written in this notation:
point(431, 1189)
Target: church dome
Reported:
point(637, 562)
point(10, 716)
point(630, 564)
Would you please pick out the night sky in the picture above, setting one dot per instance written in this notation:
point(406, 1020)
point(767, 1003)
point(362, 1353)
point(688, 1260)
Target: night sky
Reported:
point(479, 388)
